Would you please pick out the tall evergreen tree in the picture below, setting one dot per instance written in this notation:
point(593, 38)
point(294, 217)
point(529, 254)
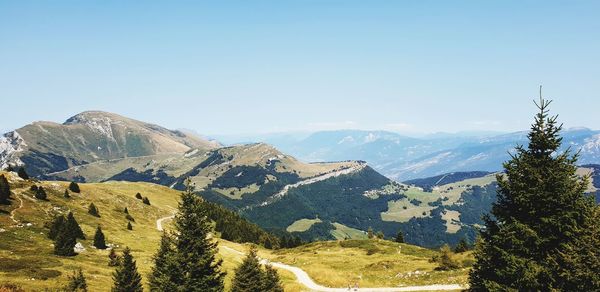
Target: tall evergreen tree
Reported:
point(99, 240)
point(77, 282)
point(4, 190)
point(129, 226)
point(126, 277)
point(249, 276)
point(198, 268)
point(540, 220)
point(73, 227)
point(55, 226)
point(64, 242)
point(93, 210)
point(271, 281)
point(163, 277)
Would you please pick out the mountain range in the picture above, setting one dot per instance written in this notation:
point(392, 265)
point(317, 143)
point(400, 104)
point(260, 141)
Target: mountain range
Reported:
point(317, 200)
point(403, 158)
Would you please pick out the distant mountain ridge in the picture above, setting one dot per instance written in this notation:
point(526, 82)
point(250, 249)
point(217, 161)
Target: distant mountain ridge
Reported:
point(403, 158)
point(89, 137)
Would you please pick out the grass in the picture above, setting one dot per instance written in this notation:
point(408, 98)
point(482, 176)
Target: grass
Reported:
point(370, 263)
point(342, 232)
point(27, 260)
point(302, 225)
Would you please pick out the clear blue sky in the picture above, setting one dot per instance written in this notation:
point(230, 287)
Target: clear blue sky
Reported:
point(259, 66)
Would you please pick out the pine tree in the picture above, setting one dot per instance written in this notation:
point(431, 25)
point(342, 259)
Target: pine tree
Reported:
point(4, 190)
point(125, 211)
point(73, 227)
point(55, 226)
point(400, 237)
point(93, 210)
point(129, 226)
point(40, 194)
point(197, 268)
point(138, 196)
point(64, 242)
point(540, 220)
point(126, 277)
point(163, 277)
point(462, 246)
point(113, 258)
point(74, 187)
point(271, 281)
point(22, 173)
point(67, 195)
point(99, 240)
point(249, 276)
point(146, 201)
point(77, 282)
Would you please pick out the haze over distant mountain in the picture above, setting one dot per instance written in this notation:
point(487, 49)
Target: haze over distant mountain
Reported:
point(401, 157)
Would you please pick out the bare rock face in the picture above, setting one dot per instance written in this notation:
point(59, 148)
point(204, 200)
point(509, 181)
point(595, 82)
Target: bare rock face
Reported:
point(11, 144)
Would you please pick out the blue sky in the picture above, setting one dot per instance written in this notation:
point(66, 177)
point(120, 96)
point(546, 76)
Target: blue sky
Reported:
point(225, 67)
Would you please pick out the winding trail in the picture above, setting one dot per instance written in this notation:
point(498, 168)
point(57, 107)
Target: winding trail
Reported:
point(304, 279)
point(12, 213)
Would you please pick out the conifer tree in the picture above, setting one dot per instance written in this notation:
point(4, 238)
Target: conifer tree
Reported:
point(55, 226)
point(146, 201)
point(74, 187)
point(129, 226)
point(370, 233)
point(126, 277)
point(4, 190)
point(40, 194)
point(93, 210)
point(249, 276)
point(99, 240)
point(73, 227)
point(446, 259)
point(540, 220)
point(162, 277)
point(64, 242)
point(197, 268)
point(77, 282)
point(400, 237)
point(138, 196)
point(67, 195)
point(271, 281)
point(125, 211)
point(22, 173)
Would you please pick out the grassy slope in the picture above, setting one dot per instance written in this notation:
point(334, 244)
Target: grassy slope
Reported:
point(27, 259)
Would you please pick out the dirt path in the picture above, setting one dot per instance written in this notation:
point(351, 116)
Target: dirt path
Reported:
point(13, 212)
point(160, 221)
point(304, 279)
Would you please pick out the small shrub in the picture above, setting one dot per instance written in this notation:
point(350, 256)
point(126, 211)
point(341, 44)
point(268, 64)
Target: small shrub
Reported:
point(10, 287)
point(40, 194)
point(138, 196)
point(125, 211)
point(33, 188)
point(93, 210)
point(146, 201)
point(113, 259)
point(129, 217)
point(74, 187)
point(129, 226)
point(67, 195)
point(22, 173)
point(446, 260)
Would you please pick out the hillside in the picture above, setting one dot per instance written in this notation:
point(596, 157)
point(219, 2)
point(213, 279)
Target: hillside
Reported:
point(27, 259)
point(46, 147)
